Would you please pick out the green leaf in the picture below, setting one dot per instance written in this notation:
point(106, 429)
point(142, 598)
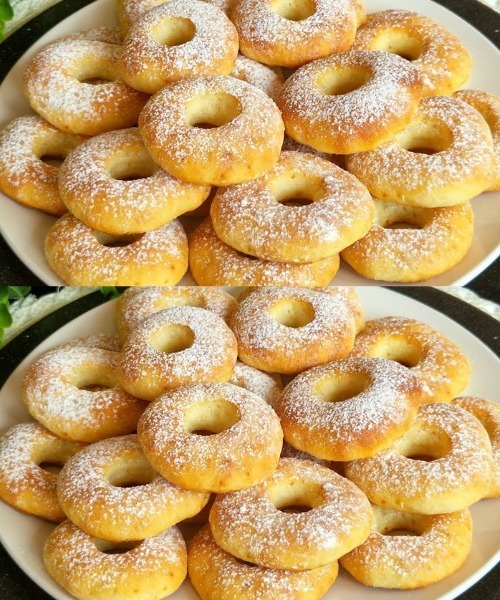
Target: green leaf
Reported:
point(18, 291)
point(5, 316)
point(6, 11)
point(110, 291)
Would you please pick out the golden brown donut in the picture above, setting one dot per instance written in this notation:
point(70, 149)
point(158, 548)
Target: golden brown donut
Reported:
point(349, 409)
point(442, 464)
point(291, 34)
point(175, 347)
point(434, 548)
point(254, 217)
point(288, 330)
point(253, 524)
point(351, 297)
point(411, 243)
point(488, 105)
point(24, 482)
point(443, 60)
point(440, 364)
point(178, 40)
point(350, 102)
point(111, 491)
point(243, 141)
point(212, 262)
point(75, 85)
point(73, 391)
point(444, 157)
point(82, 256)
point(214, 437)
point(111, 184)
point(488, 413)
point(215, 573)
point(138, 303)
point(269, 80)
point(93, 569)
point(29, 150)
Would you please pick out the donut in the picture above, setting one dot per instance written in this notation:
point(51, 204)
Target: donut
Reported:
point(136, 304)
point(24, 482)
point(214, 437)
point(111, 492)
point(440, 364)
point(97, 340)
point(443, 60)
point(350, 296)
point(215, 573)
point(488, 105)
point(177, 347)
point(212, 262)
point(329, 209)
point(212, 131)
point(92, 569)
point(429, 548)
point(442, 464)
point(73, 392)
point(112, 185)
point(253, 524)
point(111, 35)
point(29, 150)
point(291, 34)
point(488, 413)
point(410, 243)
point(82, 256)
point(444, 157)
point(349, 409)
point(266, 385)
point(269, 80)
point(178, 40)
point(288, 330)
point(351, 102)
point(360, 10)
point(75, 85)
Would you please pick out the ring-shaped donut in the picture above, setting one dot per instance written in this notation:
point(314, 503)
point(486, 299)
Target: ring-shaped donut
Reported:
point(112, 185)
point(75, 85)
point(73, 391)
point(178, 40)
point(435, 547)
point(288, 330)
point(411, 243)
point(82, 256)
point(443, 60)
point(27, 145)
point(440, 364)
point(243, 139)
point(444, 157)
point(253, 525)
point(111, 491)
point(24, 484)
point(349, 409)
point(212, 262)
point(90, 568)
point(339, 211)
point(242, 447)
point(442, 464)
point(175, 347)
point(214, 573)
point(350, 102)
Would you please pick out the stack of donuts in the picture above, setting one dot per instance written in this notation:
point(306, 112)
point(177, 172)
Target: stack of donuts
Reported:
point(184, 109)
point(365, 458)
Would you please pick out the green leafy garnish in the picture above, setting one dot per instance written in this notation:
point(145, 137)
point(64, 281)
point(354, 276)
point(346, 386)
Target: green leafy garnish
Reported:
point(8, 293)
point(6, 14)
point(111, 291)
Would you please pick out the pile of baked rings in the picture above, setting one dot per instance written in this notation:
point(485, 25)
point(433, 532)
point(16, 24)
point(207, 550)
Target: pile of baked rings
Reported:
point(380, 463)
point(380, 158)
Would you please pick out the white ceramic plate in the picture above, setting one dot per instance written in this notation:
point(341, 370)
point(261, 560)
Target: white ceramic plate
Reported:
point(23, 536)
point(25, 229)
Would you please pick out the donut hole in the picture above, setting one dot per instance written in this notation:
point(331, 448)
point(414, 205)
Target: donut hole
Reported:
point(173, 31)
point(341, 387)
point(293, 10)
point(400, 43)
point(106, 547)
point(402, 225)
point(211, 417)
point(296, 190)
point(95, 73)
point(51, 467)
point(116, 241)
point(93, 379)
point(425, 138)
point(391, 215)
point(399, 349)
point(425, 445)
point(292, 312)
point(172, 338)
point(52, 160)
point(338, 82)
point(130, 166)
point(210, 111)
point(395, 523)
point(292, 496)
point(129, 472)
point(53, 150)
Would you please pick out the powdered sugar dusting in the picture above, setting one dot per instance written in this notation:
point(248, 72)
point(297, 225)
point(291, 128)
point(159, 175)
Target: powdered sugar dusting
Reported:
point(259, 75)
point(262, 384)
